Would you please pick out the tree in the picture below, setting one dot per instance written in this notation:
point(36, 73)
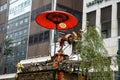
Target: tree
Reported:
point(94, 55)
point(7, 47)
point(7, 51)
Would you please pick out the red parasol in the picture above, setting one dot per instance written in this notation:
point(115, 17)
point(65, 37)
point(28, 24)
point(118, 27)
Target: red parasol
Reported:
point(59, 20)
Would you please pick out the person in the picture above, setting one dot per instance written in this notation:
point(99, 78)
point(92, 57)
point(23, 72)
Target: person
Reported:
point(70, 38)
point(61, 42)
point(83, 77)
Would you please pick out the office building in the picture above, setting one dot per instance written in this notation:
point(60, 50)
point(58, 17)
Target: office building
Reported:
point(105, 15)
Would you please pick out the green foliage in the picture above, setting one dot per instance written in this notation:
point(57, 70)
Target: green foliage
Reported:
point(94, 55)
point(7, 47)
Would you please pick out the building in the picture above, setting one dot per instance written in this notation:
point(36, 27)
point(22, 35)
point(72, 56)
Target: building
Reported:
point(105, 15)
point(18, 20)
point(3, 23)
point(30, 40)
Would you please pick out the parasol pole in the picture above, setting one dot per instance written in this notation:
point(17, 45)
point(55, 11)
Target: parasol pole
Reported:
point(55, 37)
point(54, 3)
point(53, 32)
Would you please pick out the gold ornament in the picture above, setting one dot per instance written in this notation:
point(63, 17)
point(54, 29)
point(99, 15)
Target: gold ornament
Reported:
point(63, 25)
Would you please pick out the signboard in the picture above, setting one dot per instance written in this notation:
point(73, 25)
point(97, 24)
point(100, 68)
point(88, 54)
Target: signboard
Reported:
point(18, 8)
point(94, 2)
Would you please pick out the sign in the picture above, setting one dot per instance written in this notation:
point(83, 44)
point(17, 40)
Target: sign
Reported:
point(18, 8)
point(94, 2)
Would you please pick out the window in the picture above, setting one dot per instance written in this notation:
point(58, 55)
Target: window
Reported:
point(118, 17)
point(0, 49)
point(2, 27)
point(20, 33)
point(36, 38)
point(31, 40)
point(24, 42)
point(16, 24)
point(91, 18)
point(21, 22)
point(46, 35)
point(16, 33)
point(8, 27)
point(7, 37)
point(25, 31)
point(3, 7)
point(26, 20)
point(11, 35)
point(40, 37)
point(104, 32)
point(106, 21)
point(118, 26)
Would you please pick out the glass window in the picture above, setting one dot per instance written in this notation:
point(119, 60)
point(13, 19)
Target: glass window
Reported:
point(20, 33)
point(106, 30)
point(91, 18)
point(24, 42)
point(3, 28)
point(8, 27)
point(23, 53)
point(46, 35)
point(19, 43)
point(36, 38)
point(0, 49)
point(5, 6)
point(31, 40)
point(7, 37)
point(16, 24)
point(0, 29)
point(118, 26)
point(106, 21)
point(26, 20)
point(21, 22)
point(12, 25)
point(14, 44)
point(40, 37)
point(118, 17)
point(16, 33)
point(2, 8)
point(11, 35)
point(25, 31)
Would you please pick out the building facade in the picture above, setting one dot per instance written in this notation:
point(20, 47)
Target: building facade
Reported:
point(18, 18)
point(3, 23)
point(105, 15)
point(30, 40)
